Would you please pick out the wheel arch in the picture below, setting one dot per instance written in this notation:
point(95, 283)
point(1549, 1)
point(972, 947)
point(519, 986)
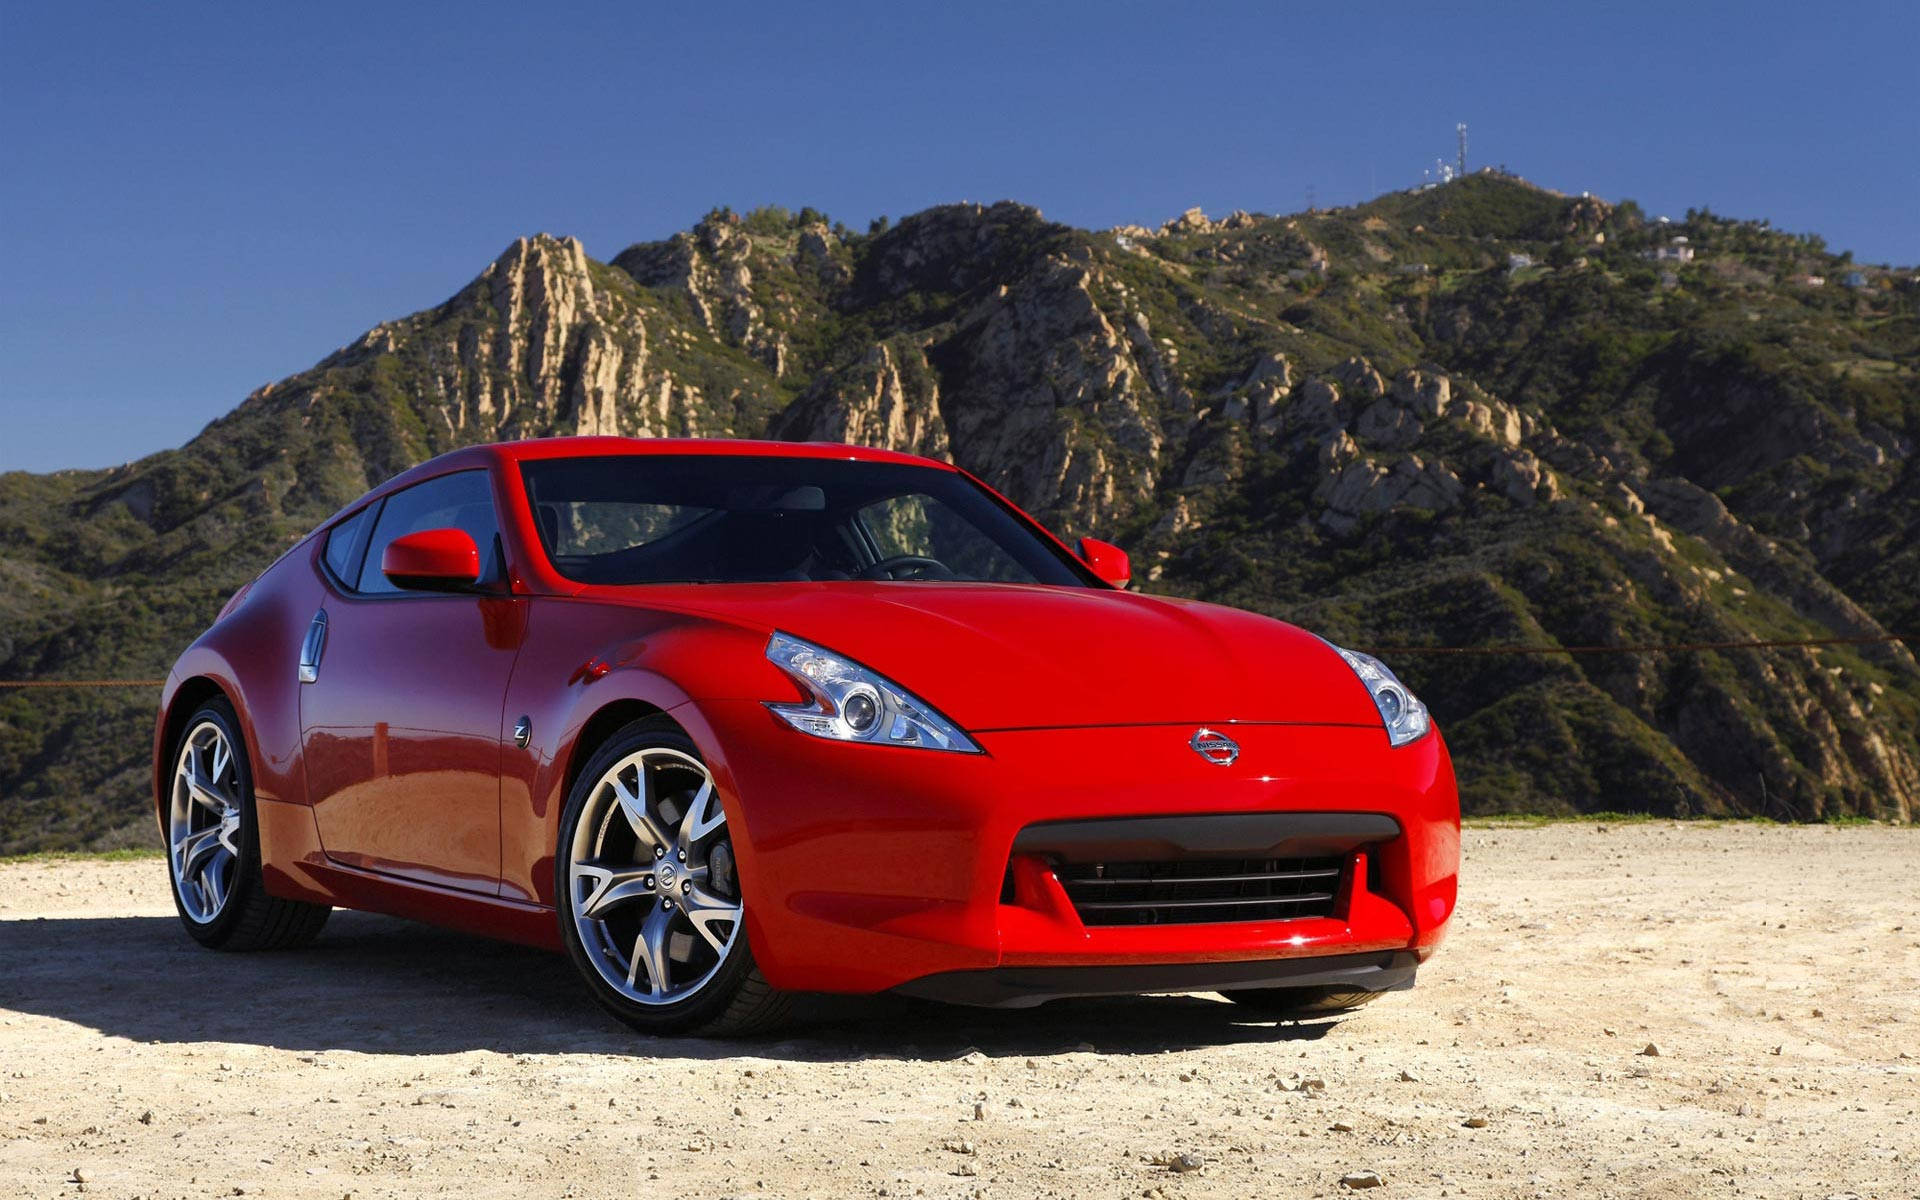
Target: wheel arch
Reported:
point(187, 699)
point(602, 724)
point(635, 703)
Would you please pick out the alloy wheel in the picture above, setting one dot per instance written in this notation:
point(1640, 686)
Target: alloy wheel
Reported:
point(203, 822)
point(651, 883)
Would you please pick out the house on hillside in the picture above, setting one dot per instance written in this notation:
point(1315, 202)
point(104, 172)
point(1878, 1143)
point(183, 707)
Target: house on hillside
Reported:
point(1518, 262)
point(1854, 279)
point(1677, 250)
point(1811, 280)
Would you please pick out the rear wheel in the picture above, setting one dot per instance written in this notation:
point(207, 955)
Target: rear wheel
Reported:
point(213, 844)
point(1301, 1002)
point(649, 899)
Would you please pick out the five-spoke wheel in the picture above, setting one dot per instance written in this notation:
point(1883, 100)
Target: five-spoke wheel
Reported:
point(650, 900)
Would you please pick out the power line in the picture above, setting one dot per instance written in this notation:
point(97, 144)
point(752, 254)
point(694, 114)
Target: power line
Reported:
point(80, 683)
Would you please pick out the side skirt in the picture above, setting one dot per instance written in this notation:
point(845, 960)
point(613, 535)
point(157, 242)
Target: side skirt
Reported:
point(295, 867)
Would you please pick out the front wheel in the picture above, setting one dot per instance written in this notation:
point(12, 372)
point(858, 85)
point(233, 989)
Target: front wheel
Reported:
point(213, 844)
point(648, 894)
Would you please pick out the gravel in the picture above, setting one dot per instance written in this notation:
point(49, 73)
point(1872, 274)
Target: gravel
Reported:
point(135, 1064)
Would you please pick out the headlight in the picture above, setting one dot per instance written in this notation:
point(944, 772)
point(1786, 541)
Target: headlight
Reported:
point(852, 704)
point(1406, 718)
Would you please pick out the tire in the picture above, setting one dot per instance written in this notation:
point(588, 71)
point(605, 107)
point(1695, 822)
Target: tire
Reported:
point(241, 916)
point(669, 906)
point(1302, 1002)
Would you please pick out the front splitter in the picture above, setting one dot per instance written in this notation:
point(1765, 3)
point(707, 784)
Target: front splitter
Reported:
point(1025, 987)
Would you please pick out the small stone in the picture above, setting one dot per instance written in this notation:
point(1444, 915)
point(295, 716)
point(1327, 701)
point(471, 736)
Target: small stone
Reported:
point(78, 1176)
point(1408, 1077)
point(1651, 1051)
point(958, 1146)
point(1340, 1127)
point(146, 1118)
point(1358, 1180)
point(1183, 1163)
point(1475, 1122)
point(979, 1112)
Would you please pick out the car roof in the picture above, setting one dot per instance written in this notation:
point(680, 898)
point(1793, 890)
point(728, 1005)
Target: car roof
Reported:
point(506, 454)
point(585, 447)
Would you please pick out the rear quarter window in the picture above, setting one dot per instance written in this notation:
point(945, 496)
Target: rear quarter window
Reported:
point(344, 542)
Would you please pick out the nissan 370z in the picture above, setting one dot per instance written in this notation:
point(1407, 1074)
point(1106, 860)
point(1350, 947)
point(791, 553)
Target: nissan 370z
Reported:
point(732, 721)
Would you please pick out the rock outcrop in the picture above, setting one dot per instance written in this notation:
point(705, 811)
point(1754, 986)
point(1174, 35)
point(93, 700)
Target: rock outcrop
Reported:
point(1268, 412)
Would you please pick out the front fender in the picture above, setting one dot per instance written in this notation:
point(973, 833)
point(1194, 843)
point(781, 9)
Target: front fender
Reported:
point(585, 670)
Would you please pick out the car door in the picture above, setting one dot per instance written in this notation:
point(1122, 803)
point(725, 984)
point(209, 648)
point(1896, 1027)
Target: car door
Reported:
point(401, 718)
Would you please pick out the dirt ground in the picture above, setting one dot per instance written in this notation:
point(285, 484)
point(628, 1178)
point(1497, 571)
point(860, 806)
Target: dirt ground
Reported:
point(1776, 970)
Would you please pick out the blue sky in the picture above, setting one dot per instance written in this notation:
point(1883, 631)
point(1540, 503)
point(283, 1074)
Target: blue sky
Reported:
point(198, 199)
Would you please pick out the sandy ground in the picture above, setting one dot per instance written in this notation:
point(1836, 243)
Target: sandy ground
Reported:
point(1777, 970)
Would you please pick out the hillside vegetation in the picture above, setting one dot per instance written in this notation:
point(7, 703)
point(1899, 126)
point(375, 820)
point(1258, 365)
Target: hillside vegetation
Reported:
point(1481, 414)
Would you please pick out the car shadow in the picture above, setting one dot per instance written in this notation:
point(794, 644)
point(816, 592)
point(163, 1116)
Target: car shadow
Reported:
point(380, 985)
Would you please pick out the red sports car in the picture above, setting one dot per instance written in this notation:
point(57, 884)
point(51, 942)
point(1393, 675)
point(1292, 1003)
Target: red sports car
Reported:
point(729, 721)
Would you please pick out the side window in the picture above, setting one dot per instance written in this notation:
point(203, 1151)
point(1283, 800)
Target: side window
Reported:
point(343, 545)
point(462, 500)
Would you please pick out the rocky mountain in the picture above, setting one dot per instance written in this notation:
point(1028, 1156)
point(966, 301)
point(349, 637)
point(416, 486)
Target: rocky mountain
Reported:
point(1477, 415)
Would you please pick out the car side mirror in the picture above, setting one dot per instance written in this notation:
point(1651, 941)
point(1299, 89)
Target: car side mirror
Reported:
point(432, 560)
point(1108, 561)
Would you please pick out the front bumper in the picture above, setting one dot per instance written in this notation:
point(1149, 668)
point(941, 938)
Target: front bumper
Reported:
point(870, 867)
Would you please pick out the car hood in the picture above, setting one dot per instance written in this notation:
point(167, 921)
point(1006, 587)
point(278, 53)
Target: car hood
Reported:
point(1002, 656)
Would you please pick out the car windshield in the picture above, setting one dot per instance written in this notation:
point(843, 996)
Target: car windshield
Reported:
point(704, 518)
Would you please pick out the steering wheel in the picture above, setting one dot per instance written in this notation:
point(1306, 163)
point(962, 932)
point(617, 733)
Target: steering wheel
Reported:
point(908, 566)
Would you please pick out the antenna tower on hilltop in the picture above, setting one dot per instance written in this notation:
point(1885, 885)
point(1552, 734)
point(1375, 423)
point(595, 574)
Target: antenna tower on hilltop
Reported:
point(1461, 129)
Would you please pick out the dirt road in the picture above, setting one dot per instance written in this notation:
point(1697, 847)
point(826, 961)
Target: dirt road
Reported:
point(1777, 971)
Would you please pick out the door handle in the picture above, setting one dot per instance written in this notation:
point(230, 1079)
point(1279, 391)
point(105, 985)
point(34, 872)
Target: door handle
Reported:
point(313, 648)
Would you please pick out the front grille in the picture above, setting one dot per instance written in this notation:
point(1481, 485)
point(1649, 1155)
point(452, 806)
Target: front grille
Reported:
point(1199, 891)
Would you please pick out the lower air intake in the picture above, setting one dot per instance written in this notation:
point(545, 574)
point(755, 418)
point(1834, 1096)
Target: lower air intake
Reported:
point(1201, 891)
